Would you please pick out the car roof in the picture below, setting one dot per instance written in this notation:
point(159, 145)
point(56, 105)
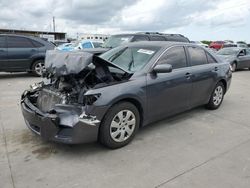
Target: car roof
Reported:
point(150, 34)
point(16, 35)
point(161, 44)
point(38, 39)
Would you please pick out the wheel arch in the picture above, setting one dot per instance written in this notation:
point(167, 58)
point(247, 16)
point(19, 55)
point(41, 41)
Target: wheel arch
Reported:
point(137, 104)
point(34, 60)
point(223, 81)
point(133, 101)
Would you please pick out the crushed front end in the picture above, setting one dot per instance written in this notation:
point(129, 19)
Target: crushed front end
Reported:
point(58, 108)
point(47, 114)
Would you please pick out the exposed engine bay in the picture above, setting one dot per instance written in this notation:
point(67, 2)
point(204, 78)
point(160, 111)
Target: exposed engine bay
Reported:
point(66, 82)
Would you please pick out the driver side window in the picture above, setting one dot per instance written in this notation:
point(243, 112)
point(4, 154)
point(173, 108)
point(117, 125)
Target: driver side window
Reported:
point(175, 56)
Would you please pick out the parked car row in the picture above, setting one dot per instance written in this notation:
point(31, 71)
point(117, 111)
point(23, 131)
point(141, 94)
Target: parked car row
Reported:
point(26, 54)
point(217, 45)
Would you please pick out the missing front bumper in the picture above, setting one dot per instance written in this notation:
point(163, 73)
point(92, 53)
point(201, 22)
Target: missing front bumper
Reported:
point(67, 125)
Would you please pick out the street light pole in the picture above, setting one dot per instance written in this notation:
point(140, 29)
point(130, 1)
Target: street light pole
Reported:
point(54, 24)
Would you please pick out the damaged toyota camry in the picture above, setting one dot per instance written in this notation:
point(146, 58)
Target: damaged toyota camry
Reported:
point(85, 98)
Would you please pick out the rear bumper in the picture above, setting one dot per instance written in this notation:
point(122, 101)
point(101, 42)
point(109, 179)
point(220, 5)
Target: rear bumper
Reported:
point(67, 125)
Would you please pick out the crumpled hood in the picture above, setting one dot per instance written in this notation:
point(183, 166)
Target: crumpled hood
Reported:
point(61, 63)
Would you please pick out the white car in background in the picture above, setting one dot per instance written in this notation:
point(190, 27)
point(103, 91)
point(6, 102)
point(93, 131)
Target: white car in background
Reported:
point(200, 44)
point(79, 45)
point(88, 44)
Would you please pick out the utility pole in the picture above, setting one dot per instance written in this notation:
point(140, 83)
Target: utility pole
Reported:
point(54, 24)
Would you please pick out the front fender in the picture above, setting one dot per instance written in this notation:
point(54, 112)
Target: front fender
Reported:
point(132, 90)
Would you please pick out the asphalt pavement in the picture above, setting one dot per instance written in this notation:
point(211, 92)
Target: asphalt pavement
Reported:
point(196, 149)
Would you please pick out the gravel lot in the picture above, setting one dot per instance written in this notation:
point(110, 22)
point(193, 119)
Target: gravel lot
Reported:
point(199, 148)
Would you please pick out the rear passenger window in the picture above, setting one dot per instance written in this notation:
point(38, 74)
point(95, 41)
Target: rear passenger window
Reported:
point(2, 42)
point(210, 58)
point(175, 56)
point(197, 56)
point(158, 38)
point(19, 42)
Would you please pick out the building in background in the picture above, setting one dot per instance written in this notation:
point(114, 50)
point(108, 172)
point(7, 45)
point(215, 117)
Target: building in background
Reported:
point(50, 36)
point(86, 36)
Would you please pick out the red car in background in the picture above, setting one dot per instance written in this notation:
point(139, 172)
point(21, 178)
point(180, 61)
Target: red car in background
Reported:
point(217, 45)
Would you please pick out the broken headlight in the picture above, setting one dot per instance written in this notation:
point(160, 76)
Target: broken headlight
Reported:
point(90, 99)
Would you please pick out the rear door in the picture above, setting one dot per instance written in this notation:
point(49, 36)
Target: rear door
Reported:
point(168, 93)
point(204, 74)
point(3, 52)
point(20, 52)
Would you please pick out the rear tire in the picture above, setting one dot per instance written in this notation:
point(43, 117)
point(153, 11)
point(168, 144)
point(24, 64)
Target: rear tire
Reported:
point(38, 67)
point(119, 125)
point(216, 97)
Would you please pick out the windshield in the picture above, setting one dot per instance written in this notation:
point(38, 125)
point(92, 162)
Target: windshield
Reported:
point(116, 40)
point(130, 59)
point(228, 51)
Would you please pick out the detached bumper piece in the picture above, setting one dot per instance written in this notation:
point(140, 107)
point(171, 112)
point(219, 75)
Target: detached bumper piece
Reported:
point(65, 124)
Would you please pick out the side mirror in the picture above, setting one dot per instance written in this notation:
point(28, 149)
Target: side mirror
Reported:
point(163, 68)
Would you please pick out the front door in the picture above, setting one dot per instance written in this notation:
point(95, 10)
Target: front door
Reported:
point(168, 93)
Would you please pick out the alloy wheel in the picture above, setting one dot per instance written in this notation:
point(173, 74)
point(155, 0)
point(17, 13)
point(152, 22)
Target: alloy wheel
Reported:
point(218, 95)
point(122, 126)
point(39, 67)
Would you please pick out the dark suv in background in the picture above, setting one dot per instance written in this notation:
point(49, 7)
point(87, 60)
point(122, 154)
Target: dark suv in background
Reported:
point(121, 39)
point(117, 40)
point(23, 53)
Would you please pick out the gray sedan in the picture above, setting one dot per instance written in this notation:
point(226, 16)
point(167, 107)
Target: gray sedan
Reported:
point(87, 98)
point(239, 58)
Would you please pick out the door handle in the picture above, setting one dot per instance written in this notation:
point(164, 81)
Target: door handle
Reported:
point(188, 75)
point(215, 68)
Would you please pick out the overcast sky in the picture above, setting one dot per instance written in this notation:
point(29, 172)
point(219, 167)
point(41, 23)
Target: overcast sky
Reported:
point(196, 19)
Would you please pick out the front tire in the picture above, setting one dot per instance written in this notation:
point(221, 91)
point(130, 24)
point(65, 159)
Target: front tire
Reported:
point(234, 67)
point(119, 125)
point(216, 97)
point(38, 67)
